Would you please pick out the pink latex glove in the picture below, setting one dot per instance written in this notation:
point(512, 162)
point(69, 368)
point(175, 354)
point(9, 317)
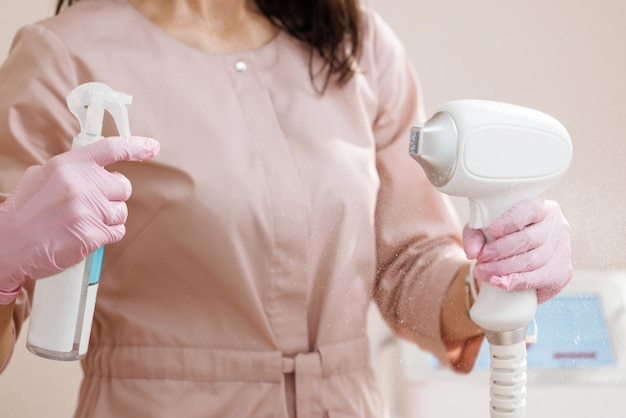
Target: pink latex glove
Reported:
point(530, 249)
point(65, 209)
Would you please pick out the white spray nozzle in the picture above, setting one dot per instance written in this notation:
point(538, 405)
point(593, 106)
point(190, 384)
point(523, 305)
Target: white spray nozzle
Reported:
point(89, 101)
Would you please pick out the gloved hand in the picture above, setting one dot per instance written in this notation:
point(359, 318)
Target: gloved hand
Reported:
point(530, 249)
point(65, 209)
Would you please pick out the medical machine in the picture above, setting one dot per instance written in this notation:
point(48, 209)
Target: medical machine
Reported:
point(576, 368)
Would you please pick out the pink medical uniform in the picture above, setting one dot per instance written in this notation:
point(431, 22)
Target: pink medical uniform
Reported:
point(258, 237)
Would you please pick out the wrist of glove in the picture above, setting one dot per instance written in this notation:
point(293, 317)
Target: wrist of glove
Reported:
point(530, 249)
point(7, 297)
point(65, 209)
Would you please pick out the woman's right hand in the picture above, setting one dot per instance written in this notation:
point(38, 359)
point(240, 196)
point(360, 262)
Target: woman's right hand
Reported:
point(65, 209)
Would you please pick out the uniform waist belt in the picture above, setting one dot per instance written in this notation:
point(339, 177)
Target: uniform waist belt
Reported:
point(150, 362)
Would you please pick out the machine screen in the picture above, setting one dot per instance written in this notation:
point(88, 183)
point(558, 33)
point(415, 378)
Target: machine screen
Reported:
point(572, 334)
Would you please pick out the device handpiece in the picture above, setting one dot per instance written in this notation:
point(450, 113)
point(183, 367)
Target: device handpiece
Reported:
point(496, 155)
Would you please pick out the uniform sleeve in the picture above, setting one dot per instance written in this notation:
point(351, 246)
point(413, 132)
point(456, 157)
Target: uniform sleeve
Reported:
point(418, 234)
point(11, 322)
point(35, 123)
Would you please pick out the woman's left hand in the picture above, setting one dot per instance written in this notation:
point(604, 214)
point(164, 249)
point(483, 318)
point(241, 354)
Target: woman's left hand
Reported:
point(530, 249)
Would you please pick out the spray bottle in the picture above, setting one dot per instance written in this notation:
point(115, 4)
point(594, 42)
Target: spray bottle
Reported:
point(63, 304)
point(496, 155)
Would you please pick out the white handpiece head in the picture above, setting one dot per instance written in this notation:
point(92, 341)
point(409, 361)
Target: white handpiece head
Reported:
point(88, 103)
point(495, 154)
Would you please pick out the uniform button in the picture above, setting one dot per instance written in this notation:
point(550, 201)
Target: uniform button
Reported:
point(241, 66)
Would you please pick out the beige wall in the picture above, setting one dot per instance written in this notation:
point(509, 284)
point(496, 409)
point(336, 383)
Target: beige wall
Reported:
point(564, 57)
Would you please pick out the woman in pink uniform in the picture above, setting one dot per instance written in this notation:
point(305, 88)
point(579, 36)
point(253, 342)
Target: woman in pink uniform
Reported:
point(281, 203)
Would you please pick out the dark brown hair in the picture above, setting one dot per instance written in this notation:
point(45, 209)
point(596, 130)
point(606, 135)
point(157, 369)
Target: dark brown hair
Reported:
point(331, 28)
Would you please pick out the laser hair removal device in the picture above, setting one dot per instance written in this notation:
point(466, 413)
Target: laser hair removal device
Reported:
point(496, 155)
point(63, 304)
